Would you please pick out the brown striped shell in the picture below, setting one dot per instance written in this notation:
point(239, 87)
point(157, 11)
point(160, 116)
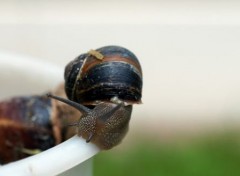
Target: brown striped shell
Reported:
point(104, 73)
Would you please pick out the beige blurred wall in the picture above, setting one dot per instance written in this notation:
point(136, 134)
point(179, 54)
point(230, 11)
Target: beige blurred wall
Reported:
point(189, 50)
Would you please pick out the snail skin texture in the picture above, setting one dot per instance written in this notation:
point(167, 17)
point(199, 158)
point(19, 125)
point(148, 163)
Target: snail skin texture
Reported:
point(103, 84)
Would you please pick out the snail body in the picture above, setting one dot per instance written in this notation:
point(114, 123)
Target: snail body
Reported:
point(110, 126)
point(103, 85)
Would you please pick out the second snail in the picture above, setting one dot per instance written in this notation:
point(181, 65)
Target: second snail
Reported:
point(102, 84)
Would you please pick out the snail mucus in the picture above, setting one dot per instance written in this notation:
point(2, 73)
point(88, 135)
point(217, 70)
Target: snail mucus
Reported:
point(103, 84)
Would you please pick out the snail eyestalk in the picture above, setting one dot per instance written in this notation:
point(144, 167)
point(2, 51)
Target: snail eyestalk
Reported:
point(78, 106)
point(107, 115)
point(72, 124)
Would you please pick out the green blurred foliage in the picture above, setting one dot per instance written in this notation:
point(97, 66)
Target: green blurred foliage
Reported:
point(216, 155)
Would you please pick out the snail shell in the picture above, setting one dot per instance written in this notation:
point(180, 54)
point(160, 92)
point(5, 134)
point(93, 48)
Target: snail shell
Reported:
point(32, 124)
point(110, 71)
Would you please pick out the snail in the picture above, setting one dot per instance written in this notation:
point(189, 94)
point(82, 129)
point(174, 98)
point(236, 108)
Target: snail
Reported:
point(103, 84)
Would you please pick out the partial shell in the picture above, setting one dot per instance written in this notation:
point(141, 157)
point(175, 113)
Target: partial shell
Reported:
point(31, 124)
point(25, 124)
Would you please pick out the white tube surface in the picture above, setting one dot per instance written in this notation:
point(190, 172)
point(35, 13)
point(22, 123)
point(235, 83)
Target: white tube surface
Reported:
point(53, 161)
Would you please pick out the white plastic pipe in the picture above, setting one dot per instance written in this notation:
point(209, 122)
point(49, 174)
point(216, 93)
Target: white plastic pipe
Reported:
point(25, 76)
point(53, 161)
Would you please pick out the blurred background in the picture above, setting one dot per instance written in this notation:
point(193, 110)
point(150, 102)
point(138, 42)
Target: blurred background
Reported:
point(189, 121)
